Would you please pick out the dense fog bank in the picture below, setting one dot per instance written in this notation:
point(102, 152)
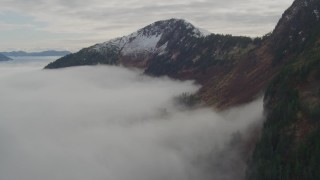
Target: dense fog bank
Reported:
point(111, 123)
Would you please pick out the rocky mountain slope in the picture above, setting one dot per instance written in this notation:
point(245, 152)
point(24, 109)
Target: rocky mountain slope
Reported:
point(4, 58)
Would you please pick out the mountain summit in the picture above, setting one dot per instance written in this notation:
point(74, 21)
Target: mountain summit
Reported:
point(152, 38)
point(136, 48)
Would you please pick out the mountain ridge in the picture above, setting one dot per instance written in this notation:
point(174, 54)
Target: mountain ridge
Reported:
point(42, 53)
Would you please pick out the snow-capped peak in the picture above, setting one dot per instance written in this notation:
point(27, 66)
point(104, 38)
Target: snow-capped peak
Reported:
point(147, 39)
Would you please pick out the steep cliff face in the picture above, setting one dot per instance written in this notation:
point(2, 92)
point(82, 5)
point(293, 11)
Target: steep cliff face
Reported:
point(289, 147)
point(295, 28)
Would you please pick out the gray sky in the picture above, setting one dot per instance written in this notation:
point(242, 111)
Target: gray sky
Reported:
point(35, 25)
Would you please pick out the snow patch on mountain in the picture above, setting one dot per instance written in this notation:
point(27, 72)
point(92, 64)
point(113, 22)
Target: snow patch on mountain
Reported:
point(132, 44)
point(141, 44)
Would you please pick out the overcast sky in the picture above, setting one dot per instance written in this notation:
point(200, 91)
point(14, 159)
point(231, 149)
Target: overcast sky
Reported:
point(35, 25)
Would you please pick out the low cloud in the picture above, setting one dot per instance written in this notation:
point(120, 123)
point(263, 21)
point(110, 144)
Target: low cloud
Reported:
point(112, 123)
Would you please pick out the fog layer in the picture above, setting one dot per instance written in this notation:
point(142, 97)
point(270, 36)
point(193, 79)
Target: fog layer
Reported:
point(110, 123)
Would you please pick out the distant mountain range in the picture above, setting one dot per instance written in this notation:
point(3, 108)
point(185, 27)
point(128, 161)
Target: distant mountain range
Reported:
point(4, 58)
point(43, 53)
